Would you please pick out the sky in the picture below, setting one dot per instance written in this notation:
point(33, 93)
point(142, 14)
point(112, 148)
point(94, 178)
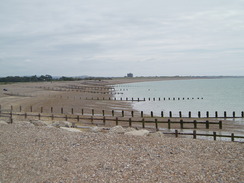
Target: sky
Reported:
point(113, 37)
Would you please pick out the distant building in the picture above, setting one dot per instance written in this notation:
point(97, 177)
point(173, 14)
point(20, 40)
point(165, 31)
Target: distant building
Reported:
point(130, 75)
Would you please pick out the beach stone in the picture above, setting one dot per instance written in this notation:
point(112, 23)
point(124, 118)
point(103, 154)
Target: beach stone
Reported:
point(96, 129)
point(117, 129)
point(71, 129)
point(59, 124)
point(3, 123)
point(38, 123)
point(138, 133)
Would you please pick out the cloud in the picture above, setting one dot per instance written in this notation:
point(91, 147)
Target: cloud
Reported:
point(111, 38)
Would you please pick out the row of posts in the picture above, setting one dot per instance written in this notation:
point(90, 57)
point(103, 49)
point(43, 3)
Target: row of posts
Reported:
point(144, 99)
point(142, 115)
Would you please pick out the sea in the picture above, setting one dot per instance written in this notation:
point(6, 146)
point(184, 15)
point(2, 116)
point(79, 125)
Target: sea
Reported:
point(194, 95)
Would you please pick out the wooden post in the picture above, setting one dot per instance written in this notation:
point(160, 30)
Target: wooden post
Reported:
point(207, 124)
point(143, 123)
point(151, 113)
point(92, 112)
point(123, 113)
point(207, 114)
point(232, 137)
point(138, 99)
point(62, 110)
point(225, 114)
point(132, 99)
point(170, 114)
point(216, 114)
point(82, 111)
point(72, 111)
point(104, 120)
point(180, 114)
point(194, 134)
point(156, 124)
point(195, 124)
point(234, 114)
point(189, 114)
point(112, 112)
point(53, 117)
point(162, 114)
point(181, 124)
point(39, 116)
point(117, 121)
point(130, 122)
point(103, 112)
point(220, 124)
point(214, 135)
point(242, 114)
point(132, 113)
point(176, 133)
point(142, 114)
point(169, 124)
point(199, 114)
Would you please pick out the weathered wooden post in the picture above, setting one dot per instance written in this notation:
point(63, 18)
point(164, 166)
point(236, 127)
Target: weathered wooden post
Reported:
point(123, 113)
point(130, 122)
point(103, 112)
point(66, 117)
point(232, 137)
point(138, 99)
point(216, 114)
point(242, 114)
point(214, 135)
point(104, 120)
point(142, 114)
point(117, 121)
point(176, 133)
point(180, 114)
point(170, 114)
point(39, 116)
point(62, 110)
point(151, 113)
point(207, 114)
point(194, 134)
point(207, 124)
point(181, 124)
point(199, 114)
point(189, 114)
point(156, 124)
point(72, 111)
point(82, 111)
point(195, 123)
point(92, 112)
point(112, 112)
point(169, 124)
point(220, 124)
point(225, 114)
point(162, 114)
point(234, 114)
point(132, 99)
point(132, 113)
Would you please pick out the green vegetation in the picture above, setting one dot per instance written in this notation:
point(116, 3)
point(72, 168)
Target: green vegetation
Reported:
point(13, 79)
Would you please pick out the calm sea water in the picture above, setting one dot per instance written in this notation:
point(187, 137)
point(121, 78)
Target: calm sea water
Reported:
point(226, 94)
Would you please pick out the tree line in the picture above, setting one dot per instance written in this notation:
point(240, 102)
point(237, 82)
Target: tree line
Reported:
point(10, 79)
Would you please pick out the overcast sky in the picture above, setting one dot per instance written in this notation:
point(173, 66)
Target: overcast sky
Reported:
point(114, 37)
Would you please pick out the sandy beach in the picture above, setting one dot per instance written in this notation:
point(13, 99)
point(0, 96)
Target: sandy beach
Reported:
point(32, 153)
